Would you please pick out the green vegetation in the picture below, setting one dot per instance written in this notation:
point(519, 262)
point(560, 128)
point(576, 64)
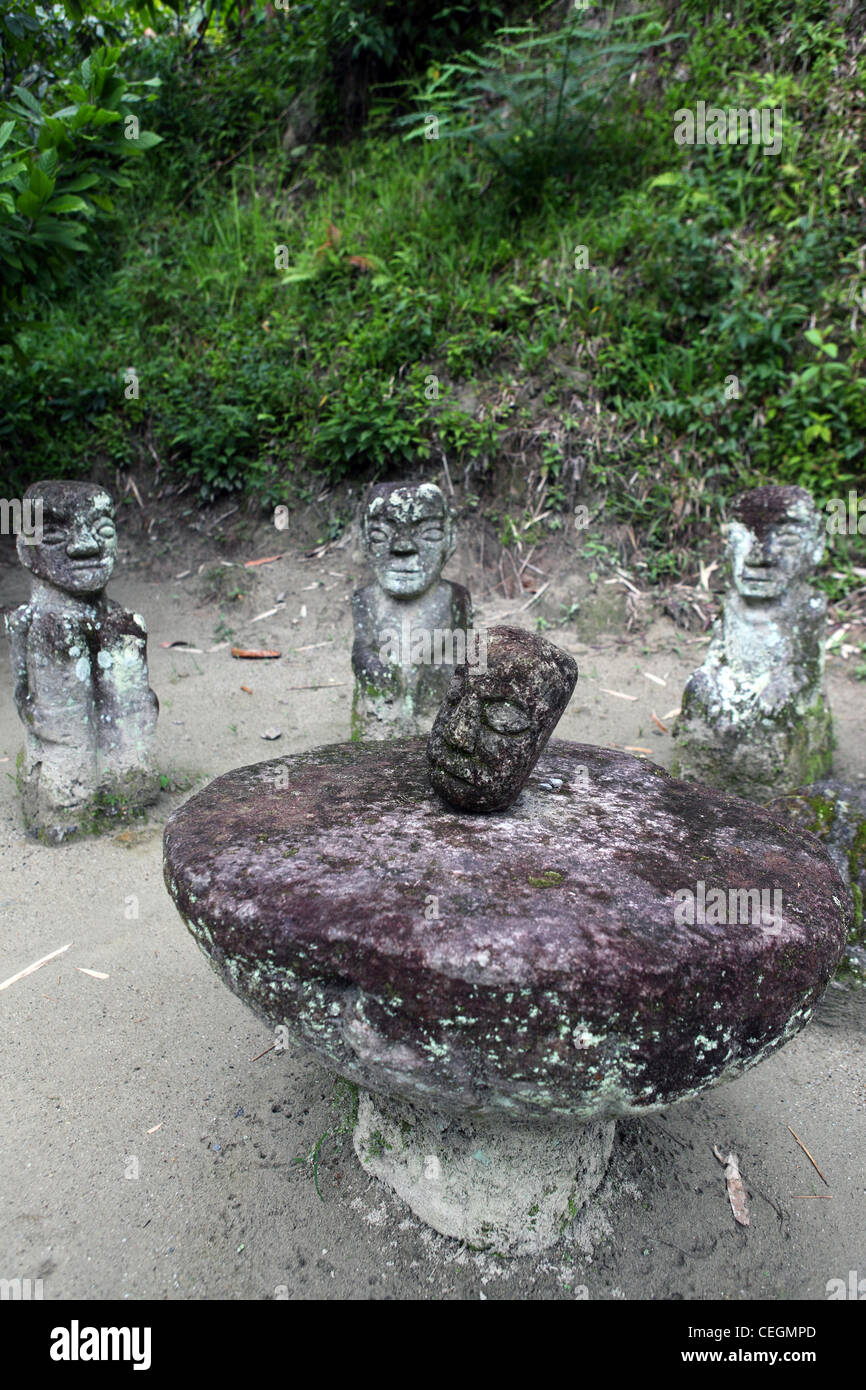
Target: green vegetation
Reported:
point(345, 1104)
point(309, 289)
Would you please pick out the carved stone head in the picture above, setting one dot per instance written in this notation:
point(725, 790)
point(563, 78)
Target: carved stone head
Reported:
point(78, 547)
point(775, 538)
point(493, 724)
point(408, 535)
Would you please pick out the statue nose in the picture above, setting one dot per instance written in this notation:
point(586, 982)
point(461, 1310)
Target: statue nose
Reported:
point(82, 545)
point(403, 545)
point(461, 731)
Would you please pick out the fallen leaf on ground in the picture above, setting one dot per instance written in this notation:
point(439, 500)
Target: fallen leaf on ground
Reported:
point(246, 655)
point(618, 693)
point(656, 720)
point(265, 560)
point(735, 1185)
point(247, 688)
point(97, 974)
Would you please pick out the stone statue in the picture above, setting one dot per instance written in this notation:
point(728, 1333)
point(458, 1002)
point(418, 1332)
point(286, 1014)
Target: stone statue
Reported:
point(754, 719)
point(494, 724)
point(411, 626)
point(80, 669)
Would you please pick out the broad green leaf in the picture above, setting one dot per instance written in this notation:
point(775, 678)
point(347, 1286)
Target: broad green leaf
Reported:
point(28, 204)
point(82, 181)
point(6, 130)
point(67, 202)
point(83, 116)
point(40, 182)
point(146, 141)
point(29, 100)
point(47, 162)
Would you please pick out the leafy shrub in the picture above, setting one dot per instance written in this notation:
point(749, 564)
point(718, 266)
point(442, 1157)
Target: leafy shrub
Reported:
point(58, 159)
point(529, 99)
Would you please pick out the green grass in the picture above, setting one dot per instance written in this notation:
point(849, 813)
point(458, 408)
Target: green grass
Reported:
point(428, 309)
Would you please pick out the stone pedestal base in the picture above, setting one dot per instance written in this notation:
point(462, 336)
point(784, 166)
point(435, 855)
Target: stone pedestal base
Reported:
point(754, 758)
point(378, 716)
point(68, 792)
point(508, 1186)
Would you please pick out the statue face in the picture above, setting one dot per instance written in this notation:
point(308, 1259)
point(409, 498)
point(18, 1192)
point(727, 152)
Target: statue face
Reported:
point(79, 538)
point(493, 724)
point(766, 560)
point(408, 536)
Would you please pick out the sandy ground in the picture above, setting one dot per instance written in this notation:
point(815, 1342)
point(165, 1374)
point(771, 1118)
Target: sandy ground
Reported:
point(144, 1154)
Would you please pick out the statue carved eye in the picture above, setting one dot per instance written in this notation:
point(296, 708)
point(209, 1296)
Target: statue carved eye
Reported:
point(378, 535)
point(432, 533)
point(505, 717)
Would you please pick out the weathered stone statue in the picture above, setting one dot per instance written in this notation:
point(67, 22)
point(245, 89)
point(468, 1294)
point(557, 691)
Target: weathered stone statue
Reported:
point(411, 626)
point(754, 718)
point(494, 724)
point(80, 668)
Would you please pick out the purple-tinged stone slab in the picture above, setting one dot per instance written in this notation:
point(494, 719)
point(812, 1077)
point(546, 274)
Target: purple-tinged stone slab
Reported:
point(530, 964)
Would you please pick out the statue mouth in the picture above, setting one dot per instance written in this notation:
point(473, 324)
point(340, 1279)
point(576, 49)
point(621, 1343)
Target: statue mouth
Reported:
point(444, 771)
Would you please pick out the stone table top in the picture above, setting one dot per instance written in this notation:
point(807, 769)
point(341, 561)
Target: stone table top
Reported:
point(527, 962)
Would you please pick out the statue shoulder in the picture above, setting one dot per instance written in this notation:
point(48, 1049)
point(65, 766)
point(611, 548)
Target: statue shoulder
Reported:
point(18, 620)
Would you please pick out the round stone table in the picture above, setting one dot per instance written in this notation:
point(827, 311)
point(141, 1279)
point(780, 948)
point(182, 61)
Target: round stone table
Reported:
point(503, 986)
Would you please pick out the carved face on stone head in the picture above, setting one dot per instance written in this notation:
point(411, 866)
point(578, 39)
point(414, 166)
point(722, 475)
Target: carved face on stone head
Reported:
point(493, 724)
point(79, 539)
point(776, 537)
point(408, 535)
